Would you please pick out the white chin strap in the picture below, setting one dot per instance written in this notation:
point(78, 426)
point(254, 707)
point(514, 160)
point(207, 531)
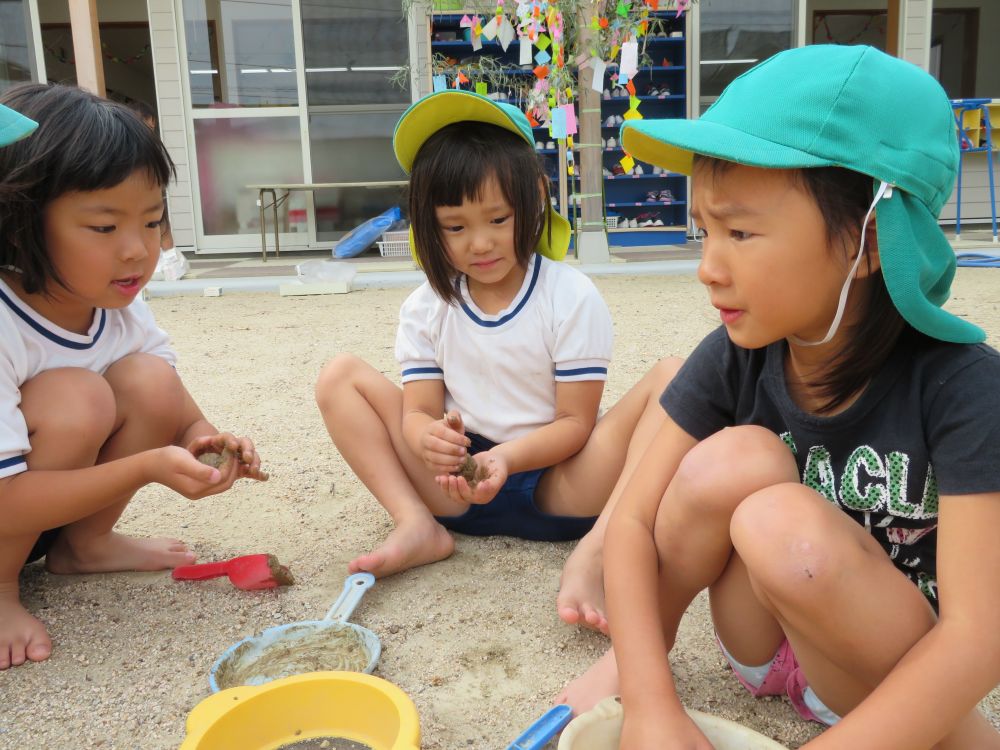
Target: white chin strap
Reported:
point(884, 191)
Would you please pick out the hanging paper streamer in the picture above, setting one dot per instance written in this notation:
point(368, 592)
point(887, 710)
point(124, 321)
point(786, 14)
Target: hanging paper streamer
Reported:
point(440, 82)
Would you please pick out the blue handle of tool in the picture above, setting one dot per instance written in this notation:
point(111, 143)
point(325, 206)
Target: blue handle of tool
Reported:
point(544, 729)
point(354, 588)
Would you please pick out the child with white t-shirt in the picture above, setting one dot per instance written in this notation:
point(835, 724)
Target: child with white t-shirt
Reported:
point(91, 408)
point(504, 354)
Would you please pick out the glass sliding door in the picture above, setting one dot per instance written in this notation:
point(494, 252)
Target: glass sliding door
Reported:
point(17, 58)
point(244, 91)
point(736, 35)
point(351, 55)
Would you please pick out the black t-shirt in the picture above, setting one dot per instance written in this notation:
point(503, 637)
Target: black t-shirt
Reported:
point(928, 424)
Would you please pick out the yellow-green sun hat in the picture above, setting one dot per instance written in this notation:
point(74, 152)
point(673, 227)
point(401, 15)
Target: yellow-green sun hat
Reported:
point(431, 113)
point(13, 125)
point(854, 107)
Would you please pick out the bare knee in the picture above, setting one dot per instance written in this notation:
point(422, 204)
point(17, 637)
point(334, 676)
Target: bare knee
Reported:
point(67, 406)
point(725, 468)
point(342, 371)
point(664, 371)
point(784, 538)
point(146, 385)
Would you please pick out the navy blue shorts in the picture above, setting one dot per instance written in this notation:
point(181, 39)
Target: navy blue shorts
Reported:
point(43, 545)
point(513, 511)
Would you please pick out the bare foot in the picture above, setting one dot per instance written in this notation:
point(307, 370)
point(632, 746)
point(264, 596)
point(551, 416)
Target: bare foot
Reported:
point(113, 552)
point(581, 588)
point(597, 683)
point(22, 636)
point(408, 545)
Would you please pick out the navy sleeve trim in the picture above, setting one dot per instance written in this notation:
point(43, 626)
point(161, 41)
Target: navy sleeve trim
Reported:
point(582, 371)
point(14, 461)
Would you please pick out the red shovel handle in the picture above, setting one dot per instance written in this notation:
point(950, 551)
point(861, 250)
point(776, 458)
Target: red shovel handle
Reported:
point(200, 572)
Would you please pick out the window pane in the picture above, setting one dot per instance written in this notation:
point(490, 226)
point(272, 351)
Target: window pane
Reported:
point(240, 53)
point(238, 151)
point(736, 35)
point(351, 51)
point(15, 54)
point(353, 147)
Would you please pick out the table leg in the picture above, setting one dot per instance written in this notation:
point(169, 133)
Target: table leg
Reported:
point(274, 205)
point(263, 227)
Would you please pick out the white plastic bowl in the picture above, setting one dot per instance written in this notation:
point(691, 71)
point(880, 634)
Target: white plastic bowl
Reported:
point(601, 727)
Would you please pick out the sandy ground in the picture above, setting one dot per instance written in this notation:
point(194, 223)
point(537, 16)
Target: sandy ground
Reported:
point(474, 640)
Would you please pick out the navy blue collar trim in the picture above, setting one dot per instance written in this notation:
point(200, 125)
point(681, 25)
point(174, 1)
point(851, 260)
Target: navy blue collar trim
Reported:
point(49, 334)
point(527, 295)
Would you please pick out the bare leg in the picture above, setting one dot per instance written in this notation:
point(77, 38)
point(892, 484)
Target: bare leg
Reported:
point(148, 405)
point(592, 481)
point(363, 413)
point(692, 537)
point(849, 614)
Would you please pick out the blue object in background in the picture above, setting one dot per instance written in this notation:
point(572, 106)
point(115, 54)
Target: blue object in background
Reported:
point(363, 236)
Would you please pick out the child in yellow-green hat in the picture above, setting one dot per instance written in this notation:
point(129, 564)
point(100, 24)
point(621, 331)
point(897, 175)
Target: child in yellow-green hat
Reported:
point(829, 469)
point(512, 344)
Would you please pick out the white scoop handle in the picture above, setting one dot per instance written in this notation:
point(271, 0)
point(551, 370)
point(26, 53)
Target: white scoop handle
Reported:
point(354, 588)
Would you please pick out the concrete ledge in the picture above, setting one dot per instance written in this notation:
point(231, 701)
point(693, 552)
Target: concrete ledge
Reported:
point(385, 280)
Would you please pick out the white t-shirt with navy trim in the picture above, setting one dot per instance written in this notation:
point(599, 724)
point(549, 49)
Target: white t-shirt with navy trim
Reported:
point(31, 344)
point(500, 371)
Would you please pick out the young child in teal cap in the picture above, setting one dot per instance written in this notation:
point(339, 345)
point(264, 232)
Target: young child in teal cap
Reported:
point(91, 407)
point(511, 343)
point(829, 468)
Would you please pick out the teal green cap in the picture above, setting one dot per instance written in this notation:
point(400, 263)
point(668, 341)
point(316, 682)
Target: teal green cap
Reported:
point(14, 126)
point(844, 106)
point(429, 114)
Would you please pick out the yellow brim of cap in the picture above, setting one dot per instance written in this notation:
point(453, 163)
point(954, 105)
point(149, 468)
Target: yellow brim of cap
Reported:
point(427, 116)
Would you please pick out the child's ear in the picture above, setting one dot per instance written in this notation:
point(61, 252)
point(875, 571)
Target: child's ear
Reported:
point(873, 262)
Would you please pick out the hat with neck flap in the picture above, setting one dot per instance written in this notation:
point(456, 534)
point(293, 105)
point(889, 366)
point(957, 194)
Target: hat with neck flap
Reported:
point(13, 125)
point(431, 113)
point(843, 106)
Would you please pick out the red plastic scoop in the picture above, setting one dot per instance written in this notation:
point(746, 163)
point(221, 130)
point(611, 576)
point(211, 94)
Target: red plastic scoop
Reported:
point(247, 572)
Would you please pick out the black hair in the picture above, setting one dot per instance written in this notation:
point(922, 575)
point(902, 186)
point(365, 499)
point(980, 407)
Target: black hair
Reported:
point(454, 165)
point(843, 198)
point(83, 143)
point(146, 113)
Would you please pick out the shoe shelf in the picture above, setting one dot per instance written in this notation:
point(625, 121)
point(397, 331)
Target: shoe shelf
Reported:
point(661, 88)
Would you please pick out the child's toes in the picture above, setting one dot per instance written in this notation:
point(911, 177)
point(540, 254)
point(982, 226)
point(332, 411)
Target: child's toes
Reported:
point(39, 650)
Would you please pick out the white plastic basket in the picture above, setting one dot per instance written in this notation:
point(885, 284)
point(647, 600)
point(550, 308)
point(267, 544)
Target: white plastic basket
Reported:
point(394, 244)
point(611, 222)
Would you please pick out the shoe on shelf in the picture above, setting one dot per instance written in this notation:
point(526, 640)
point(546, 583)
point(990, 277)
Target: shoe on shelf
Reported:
point(612, 143)
point(617, 170)
point(653, 196)
point(638, 170)
point(539, 145)
point(610, 122)
point(657, 222)
point(653, 91)
point(606, 172)
point(646, 222)
point(666, 196)
point(657, 169)
point(633, 223)
point(606, 95)
point(550, 145)
point(619, 120)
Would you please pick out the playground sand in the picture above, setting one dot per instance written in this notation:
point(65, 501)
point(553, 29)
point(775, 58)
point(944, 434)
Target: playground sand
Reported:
point(474, 640)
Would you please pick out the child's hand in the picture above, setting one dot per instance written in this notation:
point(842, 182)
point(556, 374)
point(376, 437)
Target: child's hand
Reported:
point(228, 446)
point(493, 465)
point(178, 469)
point(444, 444)
point(645, 731)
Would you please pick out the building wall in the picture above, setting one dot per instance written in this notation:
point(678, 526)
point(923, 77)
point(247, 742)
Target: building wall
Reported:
point(163, 25)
